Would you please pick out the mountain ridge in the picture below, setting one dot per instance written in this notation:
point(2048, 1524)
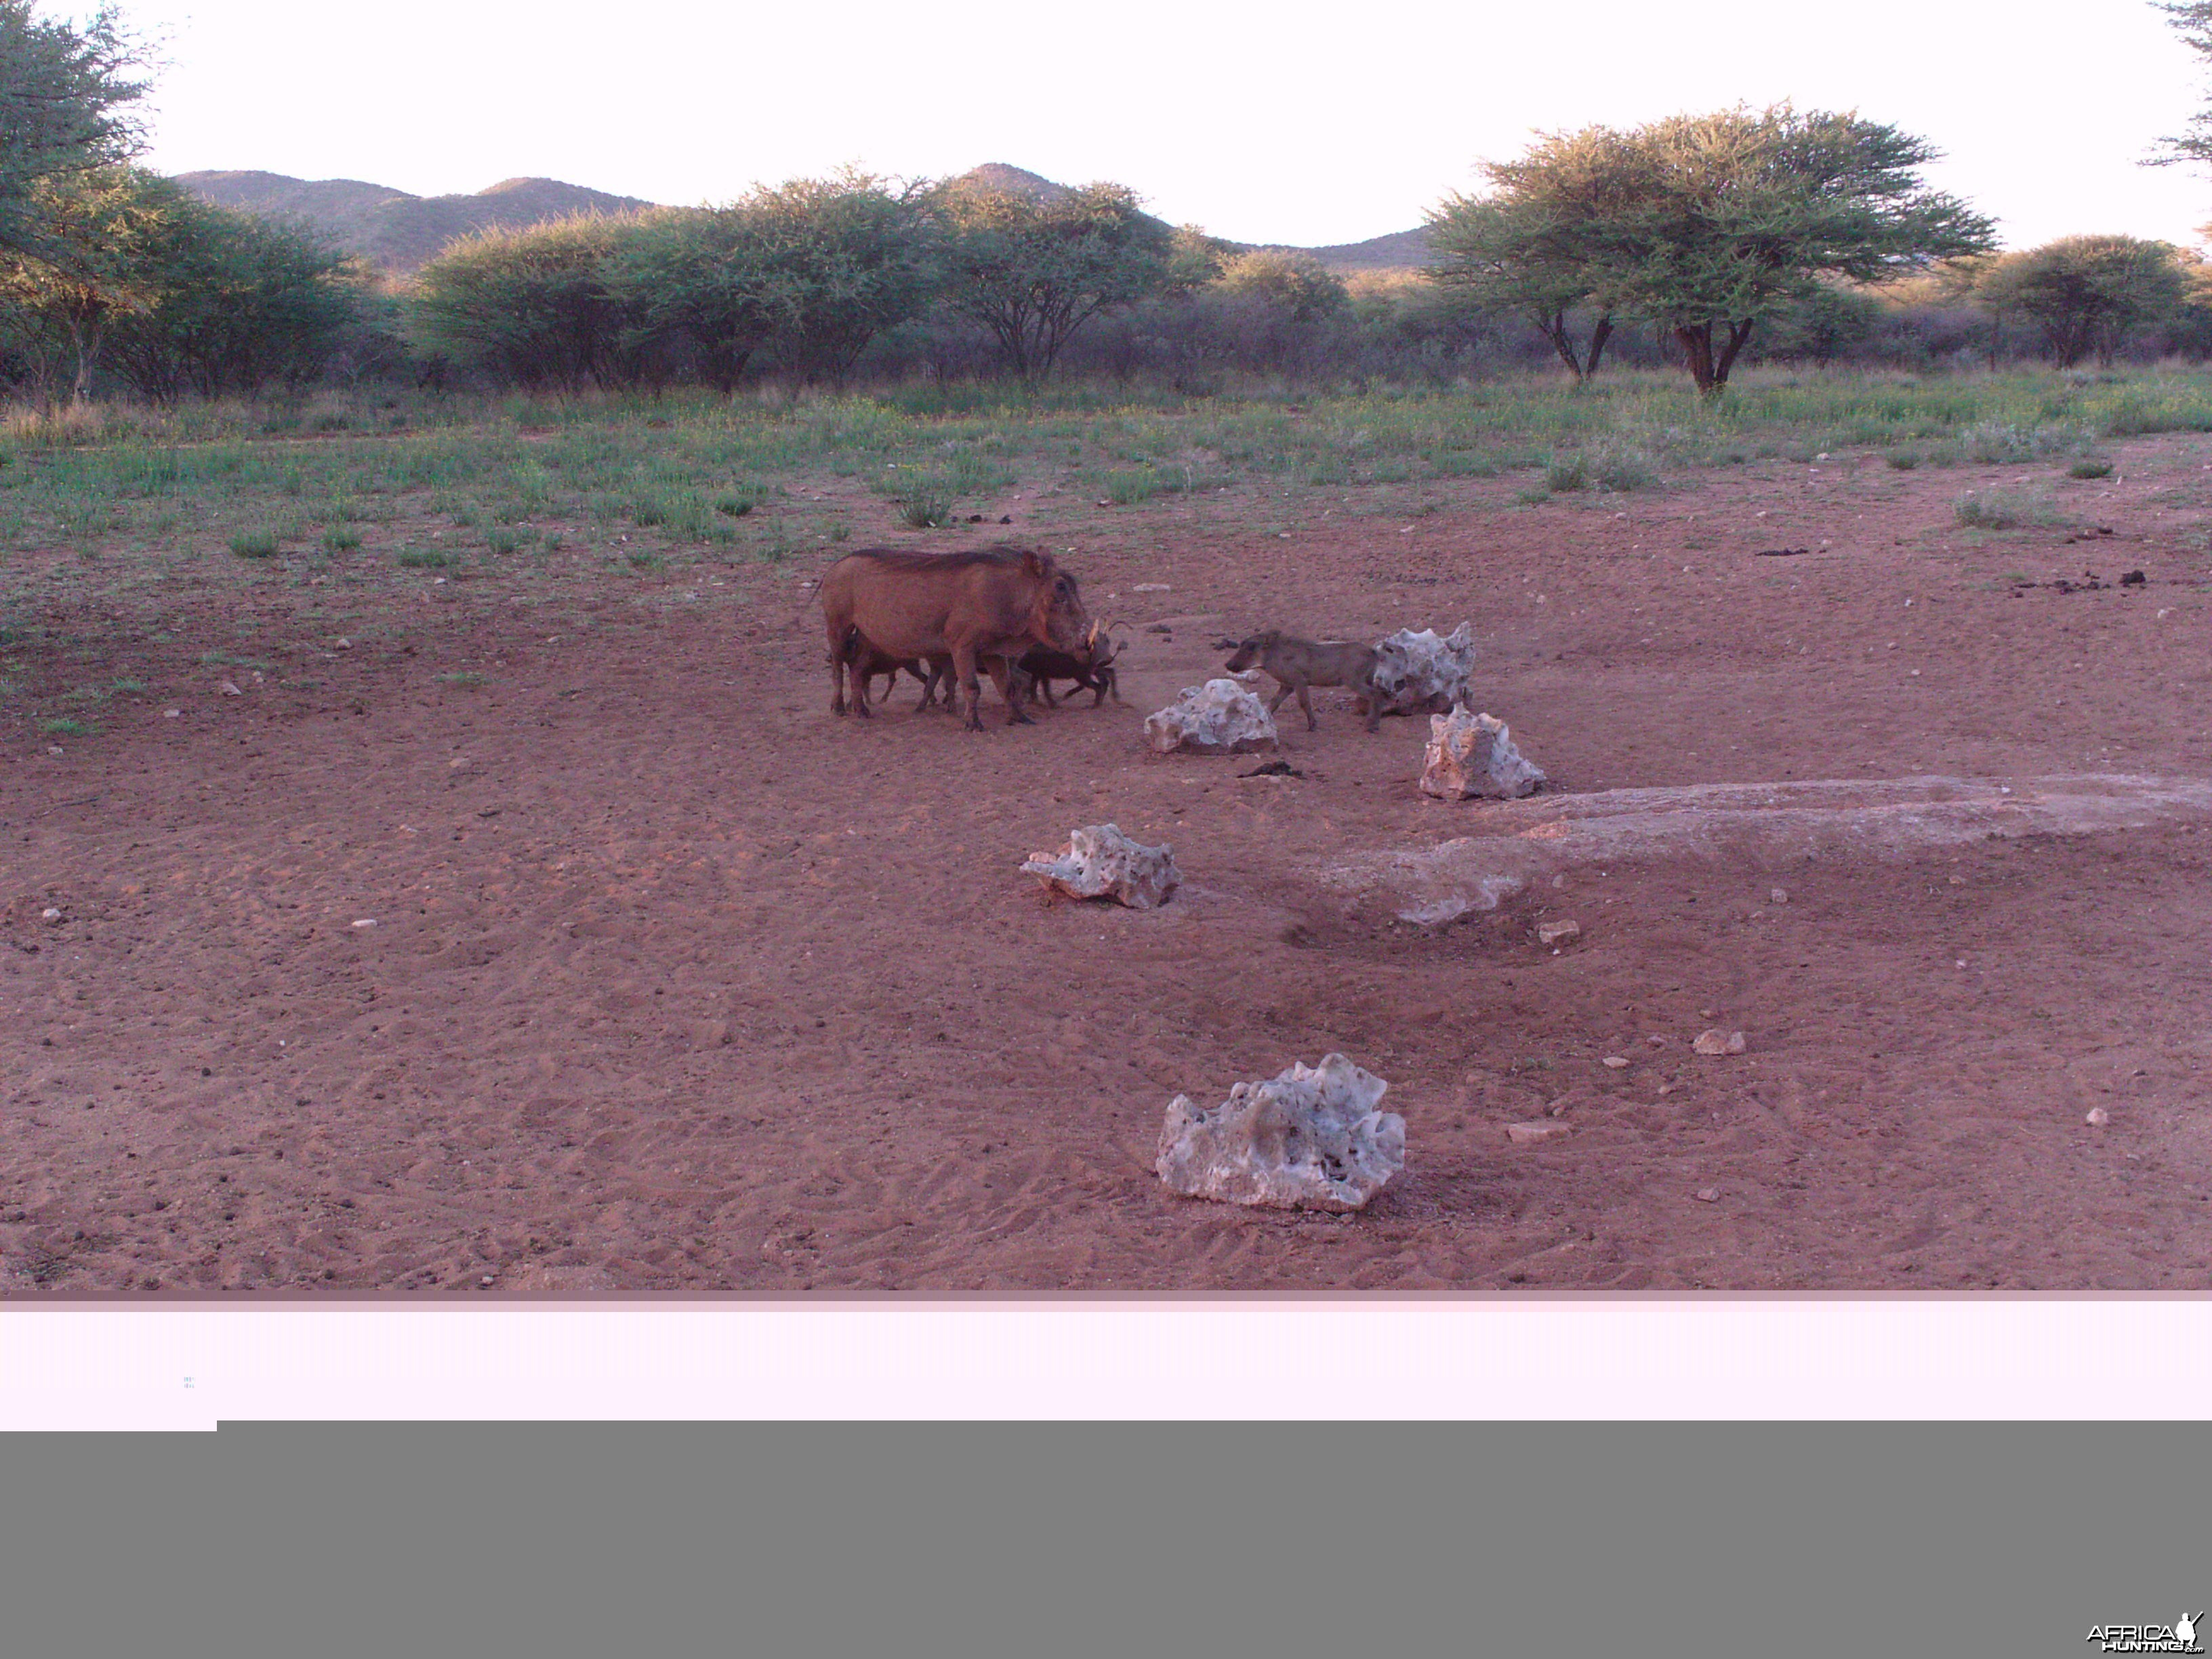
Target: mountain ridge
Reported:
point(399, 231)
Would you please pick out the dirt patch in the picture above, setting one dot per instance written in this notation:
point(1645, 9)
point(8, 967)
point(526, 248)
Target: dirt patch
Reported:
point(564, 941)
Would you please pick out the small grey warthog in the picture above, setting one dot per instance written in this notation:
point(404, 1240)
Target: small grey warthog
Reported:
point(1296, 664)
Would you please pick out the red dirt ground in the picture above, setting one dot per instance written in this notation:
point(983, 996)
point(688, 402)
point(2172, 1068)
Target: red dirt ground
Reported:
point(677, 982)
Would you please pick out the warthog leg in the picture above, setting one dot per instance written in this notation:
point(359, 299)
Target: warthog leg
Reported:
point(1003, 675)
point(963, 678)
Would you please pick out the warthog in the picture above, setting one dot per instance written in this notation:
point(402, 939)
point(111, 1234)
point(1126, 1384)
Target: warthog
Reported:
point(1092, 668)
point(860, 656)
point(986, 606)
point(1295, 664)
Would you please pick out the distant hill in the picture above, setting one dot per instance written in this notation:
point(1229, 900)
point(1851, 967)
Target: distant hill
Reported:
point(1401, 250)
point(1015, 181)
point(400, 233)
point(390, 229)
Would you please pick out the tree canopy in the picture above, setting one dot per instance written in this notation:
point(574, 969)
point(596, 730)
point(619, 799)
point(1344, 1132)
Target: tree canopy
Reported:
point(2193, 21)
point(65, 96)
point(1034, 270)
point(2086, 293)
point(1702, 224)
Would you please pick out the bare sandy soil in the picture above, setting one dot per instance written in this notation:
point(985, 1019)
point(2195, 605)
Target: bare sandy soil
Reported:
point(677, 982)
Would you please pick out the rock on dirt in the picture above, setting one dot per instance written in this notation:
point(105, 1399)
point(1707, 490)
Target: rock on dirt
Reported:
point(1718, 1042)
point(1421, 674)
point(1472, 757)
point(1219, 718)
point(2097, 1117)
point(1556, 933)
point(1532, 1134)
point(1099, 861)
point(1309, 1138)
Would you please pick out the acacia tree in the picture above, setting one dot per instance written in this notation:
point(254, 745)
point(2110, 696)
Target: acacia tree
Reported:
point(535, 305)
point(65, 92)
point(843, 258)
point(1034, 270)
point(701, 278)
point(2193, 21)
point(233, 302)
point(1532, 245)
point(2086, 293)
point(1705, 224)
point(96, 260)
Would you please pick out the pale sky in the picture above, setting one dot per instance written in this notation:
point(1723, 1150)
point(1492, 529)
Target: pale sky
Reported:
point(1287, 123)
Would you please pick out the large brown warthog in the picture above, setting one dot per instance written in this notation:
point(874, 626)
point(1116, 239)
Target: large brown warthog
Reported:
point(989, 606)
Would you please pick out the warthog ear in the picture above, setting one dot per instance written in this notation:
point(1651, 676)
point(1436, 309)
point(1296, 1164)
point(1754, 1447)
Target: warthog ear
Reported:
point(1036, 563)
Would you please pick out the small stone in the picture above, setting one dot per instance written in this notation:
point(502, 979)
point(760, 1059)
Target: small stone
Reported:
point(2098, 1117)
point(1152, 587)
point(1616, 1062)
point(50, 914)
point(1718, 1042)
point(1552, 934)
point(366, 921)
point(1530, 1134)
point(1657, 1042)
point(1099, 861)
point(1777, 896)
point(459, 763)
point(1956, 881)
point(486, 1281)
point(229, 690)
point(1708, 1194)
point(51, 750)
point(342, 645)
point(170, 713)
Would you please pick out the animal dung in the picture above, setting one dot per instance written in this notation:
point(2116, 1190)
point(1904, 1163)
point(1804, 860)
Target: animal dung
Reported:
point(1309, 1138)
point(1421, 674)
point(1099, 861)
point(1219, 718)
point(1473, 757)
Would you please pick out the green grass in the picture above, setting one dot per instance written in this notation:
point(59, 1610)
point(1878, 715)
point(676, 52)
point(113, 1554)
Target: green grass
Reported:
point(65, 727)
point(2090, 468)
point(2001, 509)
point(716, 471)
point(923, 507)
point(423, 558)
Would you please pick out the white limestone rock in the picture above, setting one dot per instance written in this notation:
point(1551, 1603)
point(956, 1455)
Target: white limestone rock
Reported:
point(1099, 861)
point(1421, 674)
point(1219, 718)
point(1472, 756)
point(1309, 1138)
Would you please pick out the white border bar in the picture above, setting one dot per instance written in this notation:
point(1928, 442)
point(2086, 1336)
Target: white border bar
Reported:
point(1721, 1360)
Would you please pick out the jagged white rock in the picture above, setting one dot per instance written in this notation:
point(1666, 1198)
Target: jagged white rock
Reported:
point(1219, 718)
point(1099, 861)
point(1473, 755)
point(1309, 1138)
point(1421, 674)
